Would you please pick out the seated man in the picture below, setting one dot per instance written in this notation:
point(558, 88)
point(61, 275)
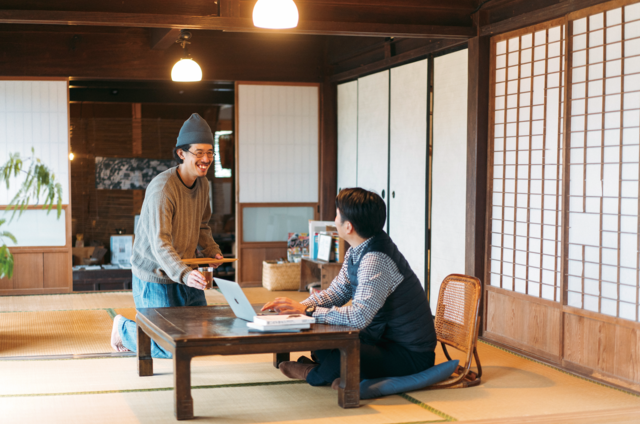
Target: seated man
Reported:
point(397, 334)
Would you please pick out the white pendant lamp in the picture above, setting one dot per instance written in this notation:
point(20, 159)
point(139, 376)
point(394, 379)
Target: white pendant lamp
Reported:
point(186, 70)
point(275, 14)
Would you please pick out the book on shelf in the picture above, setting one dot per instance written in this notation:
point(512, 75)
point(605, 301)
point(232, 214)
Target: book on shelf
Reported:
point(295, 319)
point(292, 327)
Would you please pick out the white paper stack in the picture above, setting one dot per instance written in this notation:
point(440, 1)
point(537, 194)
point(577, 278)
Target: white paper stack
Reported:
point(281, 323)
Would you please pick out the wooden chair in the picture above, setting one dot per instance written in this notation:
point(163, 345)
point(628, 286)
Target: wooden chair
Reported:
point(457, 323)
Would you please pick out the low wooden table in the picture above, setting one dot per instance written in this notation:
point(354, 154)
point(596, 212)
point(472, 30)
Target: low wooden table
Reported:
point(193, 331)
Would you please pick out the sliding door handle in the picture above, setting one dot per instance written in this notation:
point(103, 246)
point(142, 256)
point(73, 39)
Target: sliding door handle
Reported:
point(383, 193)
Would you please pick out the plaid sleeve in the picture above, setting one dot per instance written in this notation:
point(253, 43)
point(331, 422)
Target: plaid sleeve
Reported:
point(378, 277)
point(338, 293)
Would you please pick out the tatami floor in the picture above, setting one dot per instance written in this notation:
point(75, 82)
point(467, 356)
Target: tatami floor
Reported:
point(56, 366)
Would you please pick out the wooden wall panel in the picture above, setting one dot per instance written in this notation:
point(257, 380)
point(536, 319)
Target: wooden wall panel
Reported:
point(27, 272)
point(524, 322)
point(251, 264)
point(57, 270)
point(602, 349)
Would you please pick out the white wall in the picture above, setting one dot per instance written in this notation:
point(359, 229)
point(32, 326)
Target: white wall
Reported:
point(277, 143)
point(449, 169)
point(34, 114)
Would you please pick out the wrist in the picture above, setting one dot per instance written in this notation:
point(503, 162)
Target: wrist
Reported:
point(309, 310)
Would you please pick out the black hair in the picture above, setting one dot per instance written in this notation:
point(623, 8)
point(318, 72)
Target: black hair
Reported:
point(365, 210)
point(184, 148)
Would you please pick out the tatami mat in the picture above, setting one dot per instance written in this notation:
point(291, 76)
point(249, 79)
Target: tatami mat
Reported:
point(121, 299)
point(513, 386)
point(61, 302)
point(290, 403)
point(112, 374)
point(54, 333)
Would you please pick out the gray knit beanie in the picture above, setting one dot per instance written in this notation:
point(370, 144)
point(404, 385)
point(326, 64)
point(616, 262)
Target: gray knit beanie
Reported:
point(195, 130)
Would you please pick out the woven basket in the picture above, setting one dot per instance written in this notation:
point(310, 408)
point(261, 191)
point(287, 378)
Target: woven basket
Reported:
point(277, 276)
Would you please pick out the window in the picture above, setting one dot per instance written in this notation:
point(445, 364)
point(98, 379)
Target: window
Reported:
point(604, 157)
point(220, 172)
point(525, 237)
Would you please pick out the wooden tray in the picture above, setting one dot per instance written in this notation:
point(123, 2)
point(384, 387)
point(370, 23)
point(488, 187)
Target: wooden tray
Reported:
point(197, 261)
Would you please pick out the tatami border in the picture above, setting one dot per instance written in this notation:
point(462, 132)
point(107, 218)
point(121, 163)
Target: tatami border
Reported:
point(447, 418)
point(599, 383)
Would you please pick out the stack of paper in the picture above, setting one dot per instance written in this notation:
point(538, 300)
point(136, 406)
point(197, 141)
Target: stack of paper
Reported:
point(281, 323)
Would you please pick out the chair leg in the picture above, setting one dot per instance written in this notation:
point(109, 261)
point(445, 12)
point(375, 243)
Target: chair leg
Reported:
point(475, 355)
point(446, 353)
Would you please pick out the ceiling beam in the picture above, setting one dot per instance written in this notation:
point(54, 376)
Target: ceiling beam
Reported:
point(163, 38)
point(178, 95)
point(386, 63)
point(537, 16)
point(144, 20)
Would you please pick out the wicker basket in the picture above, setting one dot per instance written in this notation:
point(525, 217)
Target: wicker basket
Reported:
point(277, 276)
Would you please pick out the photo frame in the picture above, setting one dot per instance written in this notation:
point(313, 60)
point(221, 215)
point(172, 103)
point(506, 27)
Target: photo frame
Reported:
point(325, 243)
point(121, 249)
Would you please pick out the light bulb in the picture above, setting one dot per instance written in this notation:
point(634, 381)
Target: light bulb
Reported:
point(186, 70)
point(71, 156)
point(275, 14)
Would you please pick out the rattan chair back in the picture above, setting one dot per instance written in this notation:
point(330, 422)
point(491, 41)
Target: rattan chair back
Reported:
point(457, 324)
point(457, 311)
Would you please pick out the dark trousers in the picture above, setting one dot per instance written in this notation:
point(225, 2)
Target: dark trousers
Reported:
point(382, 360)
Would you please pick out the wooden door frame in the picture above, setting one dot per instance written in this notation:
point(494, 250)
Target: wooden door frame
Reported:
point(611, 332)
point(66, 207)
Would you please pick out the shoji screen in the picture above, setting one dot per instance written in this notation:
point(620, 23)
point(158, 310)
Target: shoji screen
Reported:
point(605, 125)
point(449, 173)
point(277, 172)
point(525, 247)
point(33, 114)
point(277, 143)
point(347, 134)
point(408, 163)
point(373, 133)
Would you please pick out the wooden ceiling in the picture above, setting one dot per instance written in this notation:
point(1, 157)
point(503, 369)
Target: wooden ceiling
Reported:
point(335, 40)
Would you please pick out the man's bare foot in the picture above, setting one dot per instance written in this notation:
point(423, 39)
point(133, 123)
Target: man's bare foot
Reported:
point(116, 341)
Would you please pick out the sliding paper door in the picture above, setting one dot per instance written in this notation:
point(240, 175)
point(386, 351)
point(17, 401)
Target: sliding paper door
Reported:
point(408, 163)
point(373, 133)
point(449, 174)
point(347, 135)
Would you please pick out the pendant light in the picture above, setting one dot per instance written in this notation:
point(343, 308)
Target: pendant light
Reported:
point(186, 69)
point(275, 14)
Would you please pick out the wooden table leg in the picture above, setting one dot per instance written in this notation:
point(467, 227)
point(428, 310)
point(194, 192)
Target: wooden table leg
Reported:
point(145, 361)
point(183, 407)
point(349, 391)
point(280, 357)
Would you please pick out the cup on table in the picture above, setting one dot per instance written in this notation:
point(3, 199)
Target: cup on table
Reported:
point(208, 275)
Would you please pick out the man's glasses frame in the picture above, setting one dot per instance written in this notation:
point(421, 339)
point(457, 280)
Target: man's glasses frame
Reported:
point(200, 154)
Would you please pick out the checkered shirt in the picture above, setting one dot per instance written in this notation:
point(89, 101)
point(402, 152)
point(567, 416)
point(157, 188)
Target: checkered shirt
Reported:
point(378, 277)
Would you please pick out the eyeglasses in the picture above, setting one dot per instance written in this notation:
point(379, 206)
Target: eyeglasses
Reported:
point(200, 154)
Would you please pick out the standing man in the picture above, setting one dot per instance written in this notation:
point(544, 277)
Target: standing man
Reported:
point(397, 333)
point(173, 223)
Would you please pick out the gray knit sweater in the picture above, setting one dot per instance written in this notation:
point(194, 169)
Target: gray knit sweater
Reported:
point(173, 222)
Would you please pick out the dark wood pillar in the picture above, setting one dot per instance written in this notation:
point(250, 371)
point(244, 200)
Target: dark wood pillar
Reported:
point(328, 149)
point(477, 147)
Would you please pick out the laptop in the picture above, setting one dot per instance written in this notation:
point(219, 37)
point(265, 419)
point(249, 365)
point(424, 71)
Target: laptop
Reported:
point(238, 301)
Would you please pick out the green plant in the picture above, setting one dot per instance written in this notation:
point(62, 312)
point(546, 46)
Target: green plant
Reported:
point(38, 179)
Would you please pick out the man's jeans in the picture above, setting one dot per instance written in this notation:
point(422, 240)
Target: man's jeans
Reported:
point(154, 295)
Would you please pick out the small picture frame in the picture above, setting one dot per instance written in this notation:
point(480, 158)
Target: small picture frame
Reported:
point(325, 242)
point(121, 249)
